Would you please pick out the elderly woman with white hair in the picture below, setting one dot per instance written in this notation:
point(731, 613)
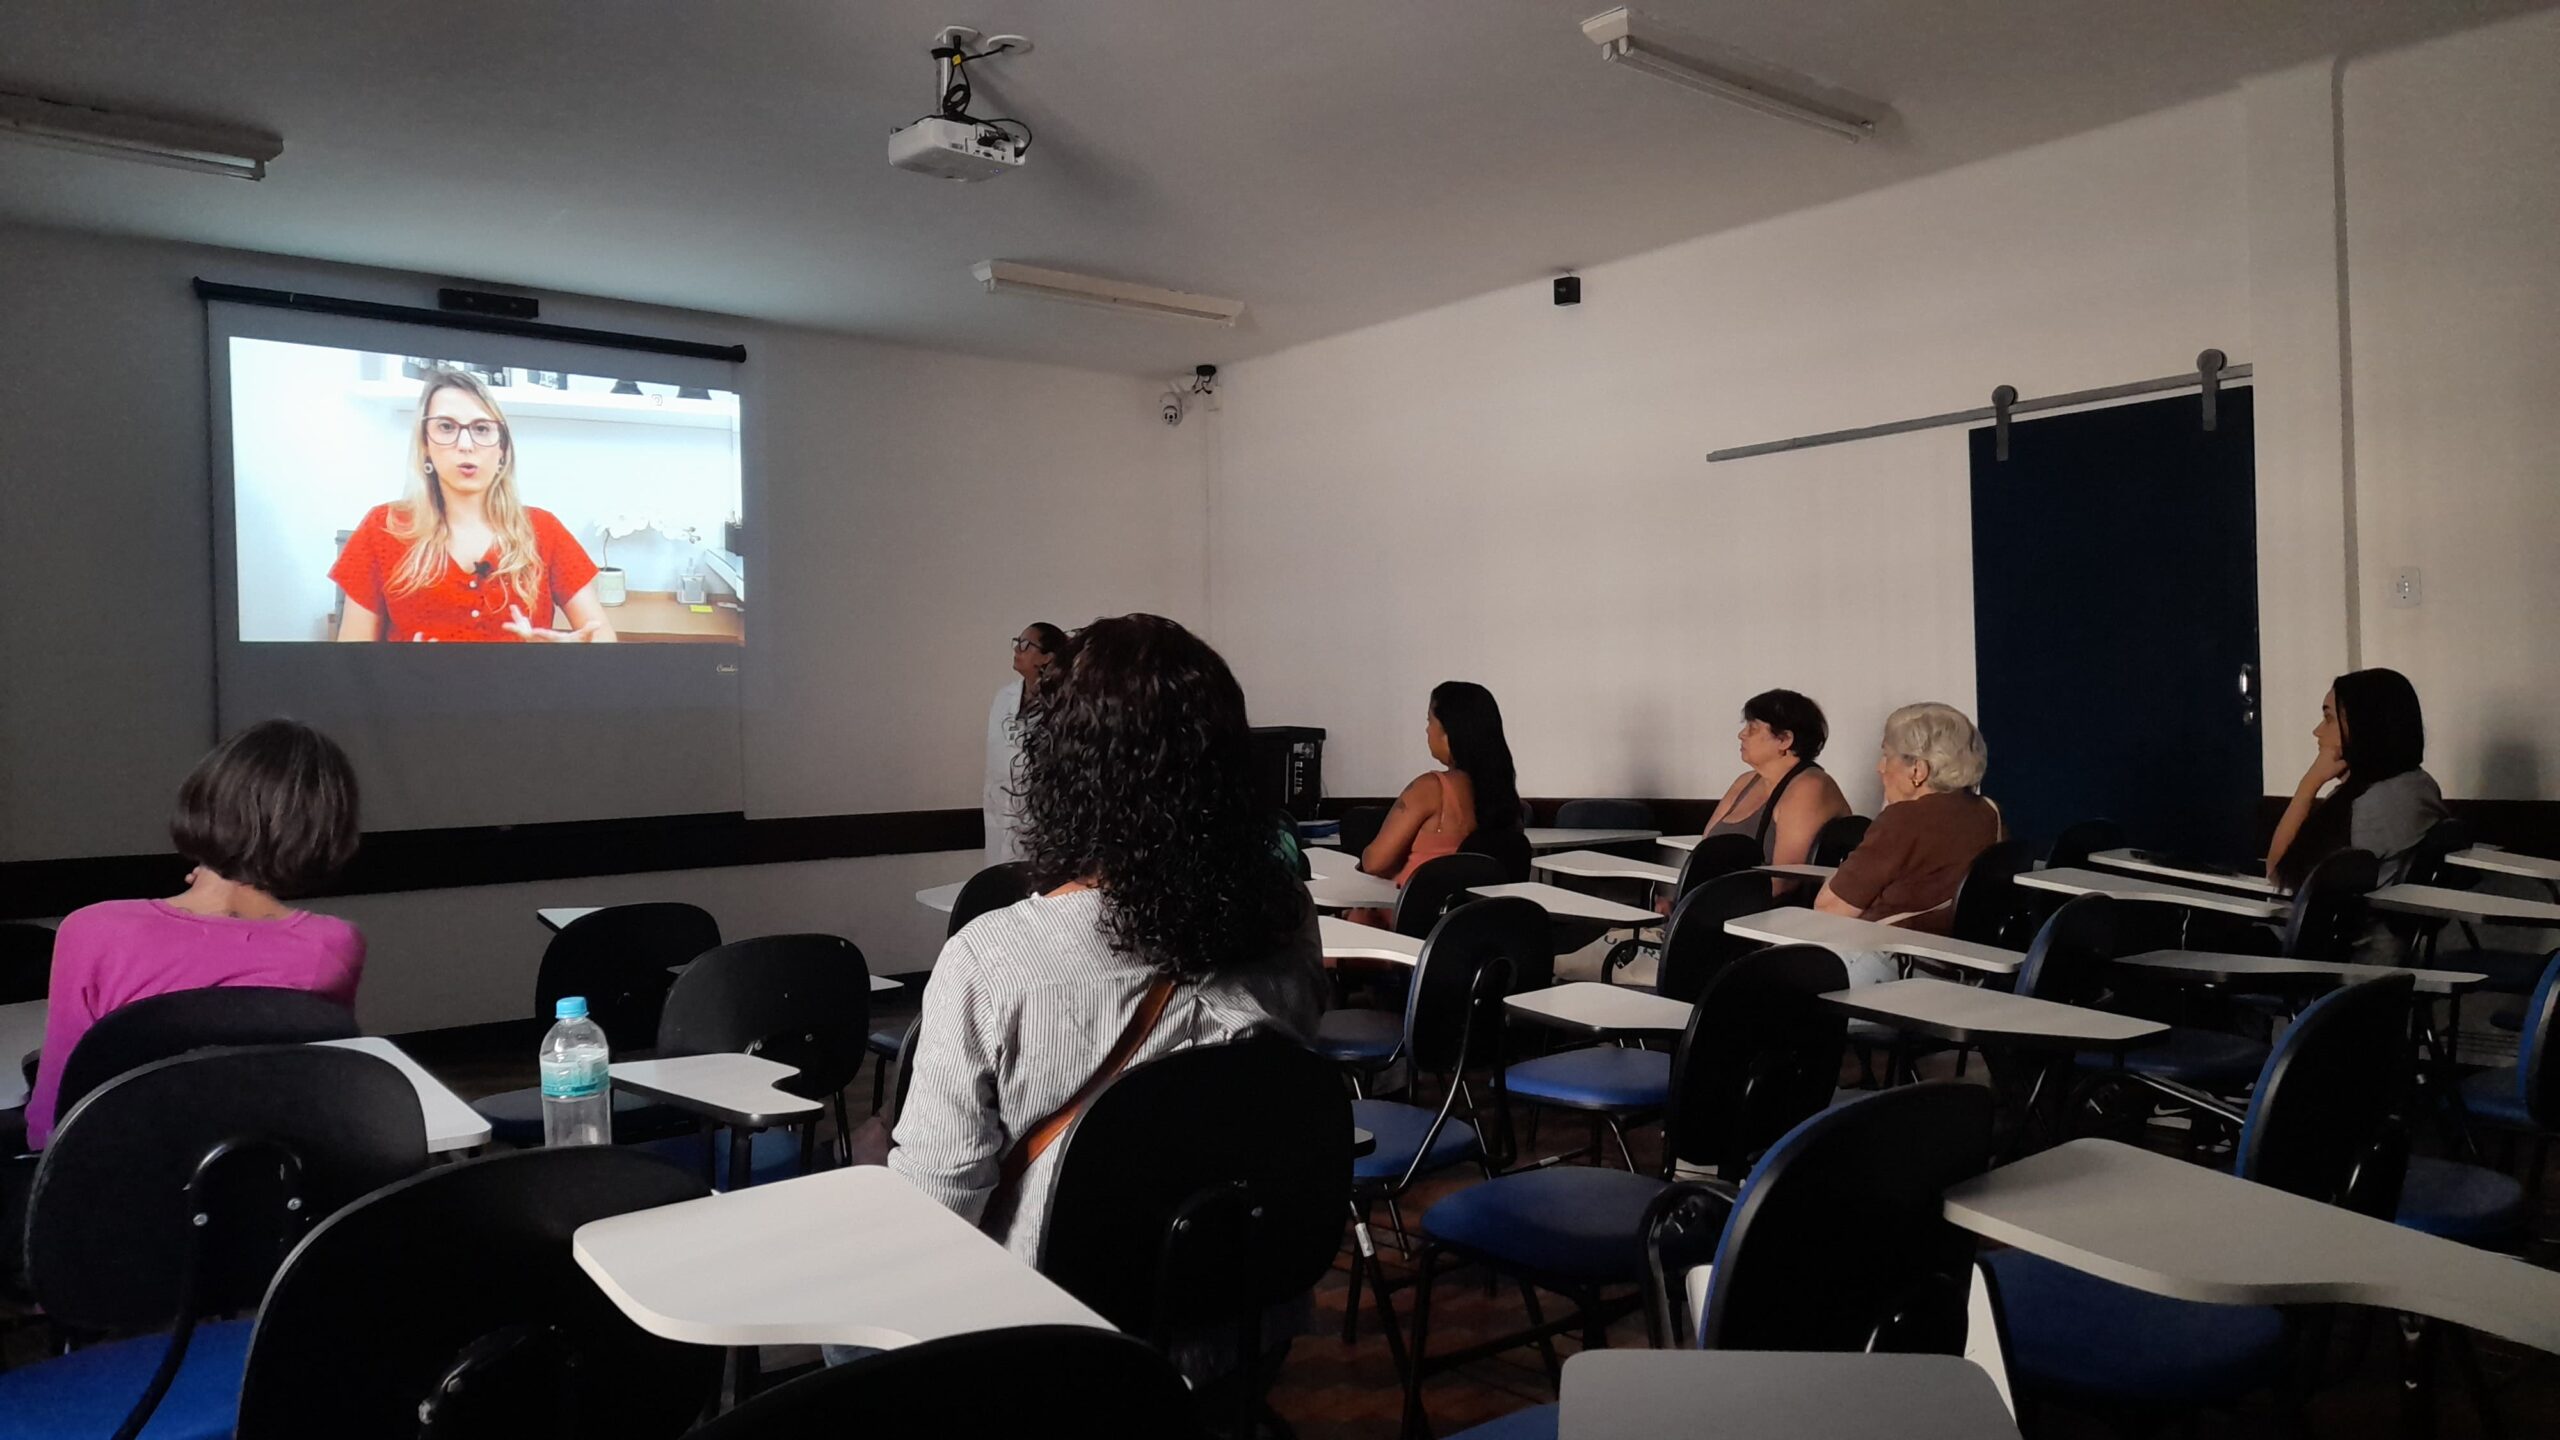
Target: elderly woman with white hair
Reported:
point(1914, 858)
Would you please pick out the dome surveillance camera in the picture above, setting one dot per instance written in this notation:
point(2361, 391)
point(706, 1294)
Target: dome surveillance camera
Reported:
point(1171, 408)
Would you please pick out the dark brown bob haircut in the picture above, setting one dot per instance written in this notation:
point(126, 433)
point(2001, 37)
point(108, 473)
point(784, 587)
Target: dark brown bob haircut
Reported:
point(273, 806)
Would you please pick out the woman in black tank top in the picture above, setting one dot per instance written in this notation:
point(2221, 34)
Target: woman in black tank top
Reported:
point(1784, 799)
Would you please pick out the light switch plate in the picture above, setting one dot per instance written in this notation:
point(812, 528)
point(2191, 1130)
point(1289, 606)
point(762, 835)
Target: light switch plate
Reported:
point(2408, 588)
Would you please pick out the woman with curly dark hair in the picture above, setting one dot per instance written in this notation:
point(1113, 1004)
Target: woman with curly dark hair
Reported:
point(1162, 916)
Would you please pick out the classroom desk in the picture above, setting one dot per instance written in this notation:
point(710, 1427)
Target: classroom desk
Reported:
point(1776, 1395)
point(1800, 872)
point(2162, 1225)
point(1682, 843)
point(560, 917)
point(2070, 880)
point(1799, 925)
point(2205, 967)
point(2509, 862)
point(1549, 837)
point(1345, 940)
point(21, 1034)
point(1593, 865)
point(1571, 904)
point(1968, 1015)
point(2140, 862)
point(1587, 1007)
point(730, 1088)
point(1336, 882)
point(2436, 902)
point(845, 1257)
point(451, 1122)
point(943, 898)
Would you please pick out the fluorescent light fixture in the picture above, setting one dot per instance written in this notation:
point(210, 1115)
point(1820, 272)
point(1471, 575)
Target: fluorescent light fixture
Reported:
point(1734, 78)
point(178, 144)
point(1005, 277)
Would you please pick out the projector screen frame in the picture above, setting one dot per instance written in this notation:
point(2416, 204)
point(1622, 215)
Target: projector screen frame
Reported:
point(465, 320)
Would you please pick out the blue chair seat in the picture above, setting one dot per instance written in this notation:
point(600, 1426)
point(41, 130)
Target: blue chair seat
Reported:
point(515, 1118)
point(2206, 1059)
point(2468, 1203)
point(885, 1043)
point(1597, 1077)
point(87, 1393)
point(1400, 1129)
point(1538, 1422)
point(1358, 1037)
point(1566, 1222)
point(2496, 1097)
point(2075, 1337)
point(772, 1155)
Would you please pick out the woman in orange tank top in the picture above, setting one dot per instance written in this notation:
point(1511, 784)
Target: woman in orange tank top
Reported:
point(1441, 808)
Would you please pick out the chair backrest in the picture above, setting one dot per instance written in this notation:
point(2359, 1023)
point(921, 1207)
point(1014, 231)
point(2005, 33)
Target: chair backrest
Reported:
point(263, 1141)
point(804, 1000)
point(1604, 815)
point(1695, 944)
point(161, 1026)
point(1838, 836)
point(906, 1062)
point(2328, 911)
point(450, 1304)
point(26, 965)
point(1360, 825)
point(1202, 1188)
point(2320, 1121)
point(985, 1385)
point(1439, 883)
point(1509, 847)
point(1987, 902)
point(1717, 856)
point(1839, 1242)
point(2078, 842)
point(993, 888)
point(1448, 1013)
point(1762, 1052)
point(2068, 961)
point(2430, 860)
point(2538, 1050)
point(621, 958)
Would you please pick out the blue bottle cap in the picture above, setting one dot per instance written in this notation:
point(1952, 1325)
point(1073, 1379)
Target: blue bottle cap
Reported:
point(571, 1007)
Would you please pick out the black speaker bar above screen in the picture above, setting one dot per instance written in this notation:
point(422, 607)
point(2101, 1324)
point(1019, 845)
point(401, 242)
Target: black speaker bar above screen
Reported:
point(461, 320)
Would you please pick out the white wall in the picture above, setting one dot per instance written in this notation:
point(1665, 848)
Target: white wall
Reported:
point(921, 508)
point(2453, 239)
point(1515, 493)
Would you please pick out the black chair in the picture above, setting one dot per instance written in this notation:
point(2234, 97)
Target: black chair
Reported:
point(2071, 962)
point(2510, 972)
point(449, 1305)
point(1360, 825)
point(985, 1385)
point(1366, 1040)
point(26, 965)
point(2073, 847)
point(800, 1000)
point(1761, 1053)
point(622, 959)
point(2329, 911)
point(1837, 837)
point(1987, 906)
point(1508, 846)
point(1199, 1191)
point(2319, 1125)
point(1712, 858)
point(169, 1197)
point(991, 889)
point(163, 1026)
point(1695, 944)
point(1439, 884)
point(1604, 815)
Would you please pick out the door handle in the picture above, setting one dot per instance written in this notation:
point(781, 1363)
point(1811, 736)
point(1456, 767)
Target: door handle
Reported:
point(2248, 693)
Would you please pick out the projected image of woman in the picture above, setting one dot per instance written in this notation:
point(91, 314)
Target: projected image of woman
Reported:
point(461, 557)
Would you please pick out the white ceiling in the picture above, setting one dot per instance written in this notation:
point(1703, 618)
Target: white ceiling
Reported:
point(1331, 163)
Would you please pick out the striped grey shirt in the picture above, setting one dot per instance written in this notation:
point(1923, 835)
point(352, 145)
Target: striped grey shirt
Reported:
point(1023, 1007)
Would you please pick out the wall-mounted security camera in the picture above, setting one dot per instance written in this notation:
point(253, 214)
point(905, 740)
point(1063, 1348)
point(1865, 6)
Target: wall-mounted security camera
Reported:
point(1170, 407)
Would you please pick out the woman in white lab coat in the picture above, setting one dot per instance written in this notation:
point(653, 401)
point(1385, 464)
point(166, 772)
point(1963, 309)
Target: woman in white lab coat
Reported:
point(1033, 649)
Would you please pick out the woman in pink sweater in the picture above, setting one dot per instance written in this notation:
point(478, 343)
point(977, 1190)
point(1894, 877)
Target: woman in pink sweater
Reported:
point(268, 816)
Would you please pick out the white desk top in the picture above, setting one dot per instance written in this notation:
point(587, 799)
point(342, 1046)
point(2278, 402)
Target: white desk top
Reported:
point(1800, 925)
point(1776, 1395)
point(1571, 904)
point(1591, 1008)
point(1592, 865)
point(1344, 940)
point(2180, 1230)
point(451, 1122)
point(2437, 901)
point(2071, 880)
point(1972, 1016)
point(2142, 863)
point(737, 1089)
point(844, 1257)
point(940, 897)
point(1549, 837)
point(1682, 843)
point(1336, 883)
point(1800, 872)
point(2208, 967)
point(558, 917)
point(21, 1030)
point(2509, 862)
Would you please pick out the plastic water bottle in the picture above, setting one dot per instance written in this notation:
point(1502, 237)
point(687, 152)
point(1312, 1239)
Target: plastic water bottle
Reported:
point(577, 1086)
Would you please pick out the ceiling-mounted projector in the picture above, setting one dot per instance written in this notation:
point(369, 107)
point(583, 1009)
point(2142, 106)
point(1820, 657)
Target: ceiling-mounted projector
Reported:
point(951, 143)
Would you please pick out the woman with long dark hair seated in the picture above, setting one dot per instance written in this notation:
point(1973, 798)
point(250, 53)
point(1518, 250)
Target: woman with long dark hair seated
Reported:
point(2371, 738)
point(1161, 909)
point(1476, 790)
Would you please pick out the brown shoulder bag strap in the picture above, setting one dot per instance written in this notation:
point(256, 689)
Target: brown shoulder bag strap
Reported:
point(1036, 1140)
